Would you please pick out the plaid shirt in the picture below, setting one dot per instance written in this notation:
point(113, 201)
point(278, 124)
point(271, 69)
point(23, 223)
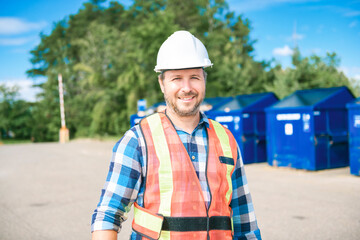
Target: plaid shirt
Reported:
point(125, 182)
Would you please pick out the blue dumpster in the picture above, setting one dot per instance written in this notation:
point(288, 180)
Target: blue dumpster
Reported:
point(354, 136)
point(244, 116)
point(134, 119)
point(308, 129)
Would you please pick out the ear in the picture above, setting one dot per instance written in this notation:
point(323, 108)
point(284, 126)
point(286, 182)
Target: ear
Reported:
point(161, 84)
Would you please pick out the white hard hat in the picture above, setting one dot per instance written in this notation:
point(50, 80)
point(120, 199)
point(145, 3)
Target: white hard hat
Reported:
point(180, 51)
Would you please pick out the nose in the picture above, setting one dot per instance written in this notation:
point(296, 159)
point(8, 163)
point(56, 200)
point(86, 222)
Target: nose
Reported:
point(186, 85)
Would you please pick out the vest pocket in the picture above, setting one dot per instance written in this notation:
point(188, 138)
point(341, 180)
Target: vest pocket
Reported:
point(146, 223)
point(226, 160)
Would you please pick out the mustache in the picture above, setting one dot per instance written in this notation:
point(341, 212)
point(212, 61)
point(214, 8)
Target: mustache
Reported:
point(188, 94)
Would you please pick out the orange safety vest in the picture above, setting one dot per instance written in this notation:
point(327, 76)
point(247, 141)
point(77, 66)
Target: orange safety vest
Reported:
point(174, 206)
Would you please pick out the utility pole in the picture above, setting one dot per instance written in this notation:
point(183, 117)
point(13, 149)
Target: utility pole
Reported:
point(64, 132)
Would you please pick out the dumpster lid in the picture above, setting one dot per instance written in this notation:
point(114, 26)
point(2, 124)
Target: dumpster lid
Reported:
point(355, 103)
point(242, 101)
point(216, 101)
point(308, 97)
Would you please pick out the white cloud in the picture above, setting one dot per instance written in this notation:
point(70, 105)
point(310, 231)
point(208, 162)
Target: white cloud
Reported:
point(284, 51)
point(357, 77)
point(26, 92)
point(16, 41)
point(351, 72)
point(9, 26)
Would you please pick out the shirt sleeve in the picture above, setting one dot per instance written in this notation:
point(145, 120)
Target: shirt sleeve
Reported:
point(244, 220)
point(122, 184)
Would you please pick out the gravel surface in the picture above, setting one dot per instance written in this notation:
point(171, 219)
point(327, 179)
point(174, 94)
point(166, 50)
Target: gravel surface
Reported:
point(49, 191)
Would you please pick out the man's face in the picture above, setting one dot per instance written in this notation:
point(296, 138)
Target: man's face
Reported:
point(184, 90)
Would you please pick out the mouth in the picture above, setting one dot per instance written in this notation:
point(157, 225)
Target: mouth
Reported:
point(187, 98)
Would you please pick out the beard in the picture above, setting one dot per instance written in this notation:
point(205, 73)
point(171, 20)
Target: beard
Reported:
point(184, 111)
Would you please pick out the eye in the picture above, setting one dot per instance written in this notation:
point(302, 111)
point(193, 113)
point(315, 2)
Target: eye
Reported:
point(176, 79)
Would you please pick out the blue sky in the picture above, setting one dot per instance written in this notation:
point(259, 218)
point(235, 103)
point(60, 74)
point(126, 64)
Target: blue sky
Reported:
point(315, 26)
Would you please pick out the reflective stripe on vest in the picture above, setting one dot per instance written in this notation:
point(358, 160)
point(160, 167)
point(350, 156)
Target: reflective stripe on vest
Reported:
point(147, 223)
point(165, 185)
point(172, 187)
point(225, 145)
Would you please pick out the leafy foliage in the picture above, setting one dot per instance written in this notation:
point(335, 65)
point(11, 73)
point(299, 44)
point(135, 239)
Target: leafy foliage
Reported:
point(106, 56)
point(15, 115)
point(308, 72)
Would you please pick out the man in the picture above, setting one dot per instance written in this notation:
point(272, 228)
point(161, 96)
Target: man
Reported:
point(183, 171)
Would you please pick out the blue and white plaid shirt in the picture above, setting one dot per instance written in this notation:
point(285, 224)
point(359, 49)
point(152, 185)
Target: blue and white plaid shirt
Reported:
point(125, 182)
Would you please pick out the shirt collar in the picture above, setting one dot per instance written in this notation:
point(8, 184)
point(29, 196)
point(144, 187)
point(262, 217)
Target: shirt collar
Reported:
point(204, 120)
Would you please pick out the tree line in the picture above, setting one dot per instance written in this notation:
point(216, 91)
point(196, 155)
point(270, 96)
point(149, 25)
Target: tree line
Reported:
point(106, 56)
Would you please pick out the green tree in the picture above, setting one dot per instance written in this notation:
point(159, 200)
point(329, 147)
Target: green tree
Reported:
point(106, 56)
point(7, 98)
point(307, 73)
point(15, 115)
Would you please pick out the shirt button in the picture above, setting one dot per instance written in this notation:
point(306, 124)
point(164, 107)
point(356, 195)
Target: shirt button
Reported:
point(193, 157)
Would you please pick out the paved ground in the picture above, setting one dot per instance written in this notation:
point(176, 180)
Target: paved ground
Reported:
point(49, 191)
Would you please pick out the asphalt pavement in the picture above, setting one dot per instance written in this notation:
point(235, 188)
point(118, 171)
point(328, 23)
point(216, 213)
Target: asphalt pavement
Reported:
point(49, 191)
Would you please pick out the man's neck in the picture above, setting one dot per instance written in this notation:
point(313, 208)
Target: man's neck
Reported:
point(186, 123)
